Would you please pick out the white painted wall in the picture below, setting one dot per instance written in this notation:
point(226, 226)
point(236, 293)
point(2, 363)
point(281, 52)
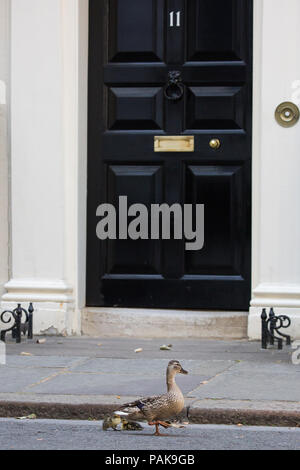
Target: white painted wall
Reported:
point(276, 164)
point(48, 153)
point(4, 137)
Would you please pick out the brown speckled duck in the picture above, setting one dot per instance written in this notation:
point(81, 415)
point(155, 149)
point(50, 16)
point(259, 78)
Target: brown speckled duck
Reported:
point(159, 408)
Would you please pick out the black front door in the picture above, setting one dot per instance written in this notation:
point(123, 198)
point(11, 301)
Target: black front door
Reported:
point(160, 68)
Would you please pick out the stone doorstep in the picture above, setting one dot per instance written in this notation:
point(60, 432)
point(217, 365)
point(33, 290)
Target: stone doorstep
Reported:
point(144, 323)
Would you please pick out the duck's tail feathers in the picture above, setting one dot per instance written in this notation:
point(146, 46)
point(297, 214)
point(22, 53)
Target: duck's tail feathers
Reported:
point(121, 413)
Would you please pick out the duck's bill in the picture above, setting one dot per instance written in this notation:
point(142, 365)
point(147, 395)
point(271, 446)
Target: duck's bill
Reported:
point(185, 372)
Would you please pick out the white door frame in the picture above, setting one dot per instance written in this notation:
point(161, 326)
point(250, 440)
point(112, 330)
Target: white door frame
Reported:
point(276, 165)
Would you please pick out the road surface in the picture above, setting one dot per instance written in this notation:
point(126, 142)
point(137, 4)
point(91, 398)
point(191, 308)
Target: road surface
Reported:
point(88, 435)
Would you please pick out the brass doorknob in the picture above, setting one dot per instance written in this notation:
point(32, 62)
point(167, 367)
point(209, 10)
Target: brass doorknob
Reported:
point(215, 144)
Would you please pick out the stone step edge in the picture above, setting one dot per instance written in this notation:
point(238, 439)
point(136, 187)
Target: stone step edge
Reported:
point(63, 411)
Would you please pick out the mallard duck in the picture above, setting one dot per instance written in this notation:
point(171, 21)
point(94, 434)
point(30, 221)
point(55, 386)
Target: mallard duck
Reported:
point(157, 409)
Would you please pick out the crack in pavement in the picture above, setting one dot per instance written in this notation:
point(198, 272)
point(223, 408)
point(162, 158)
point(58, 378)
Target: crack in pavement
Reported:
point(63, 371)
point(211, 379)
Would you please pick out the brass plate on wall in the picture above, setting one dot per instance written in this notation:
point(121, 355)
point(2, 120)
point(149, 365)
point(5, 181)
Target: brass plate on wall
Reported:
point(287, 114)
point(174, 143)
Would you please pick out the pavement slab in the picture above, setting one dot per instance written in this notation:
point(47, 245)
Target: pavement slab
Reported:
point(254, 382)
point(48, 362)
point(18, 379)
point(123, 348)
point(151, 367)
point(111, 384)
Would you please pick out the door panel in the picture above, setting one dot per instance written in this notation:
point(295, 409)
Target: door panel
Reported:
point(222, 189)
point(131, 40)
point(216, 30)
point(135, 108)
point(146, 184)
point(134, 45)
point(215, 107)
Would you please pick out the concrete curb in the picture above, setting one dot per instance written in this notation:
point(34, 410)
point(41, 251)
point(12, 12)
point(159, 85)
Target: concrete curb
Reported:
point(196, 415)
point(245, 417)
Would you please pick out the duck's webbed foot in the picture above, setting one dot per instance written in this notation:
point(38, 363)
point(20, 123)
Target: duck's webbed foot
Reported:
point(157, 424)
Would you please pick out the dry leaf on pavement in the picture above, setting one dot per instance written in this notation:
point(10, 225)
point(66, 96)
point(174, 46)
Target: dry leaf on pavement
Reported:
point(33, 416)
point(164, 347)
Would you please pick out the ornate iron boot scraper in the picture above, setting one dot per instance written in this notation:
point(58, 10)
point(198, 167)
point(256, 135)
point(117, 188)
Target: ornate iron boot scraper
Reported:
point(18, 327)
point(270, 326)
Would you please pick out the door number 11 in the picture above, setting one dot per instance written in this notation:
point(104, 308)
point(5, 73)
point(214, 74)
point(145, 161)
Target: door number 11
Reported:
point(172, 18)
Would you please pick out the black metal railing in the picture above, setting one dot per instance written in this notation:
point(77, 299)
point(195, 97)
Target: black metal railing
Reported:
point(271, 326)
point(22, 323)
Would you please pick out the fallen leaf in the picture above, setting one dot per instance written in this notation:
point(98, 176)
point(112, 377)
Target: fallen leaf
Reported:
point(99, 344)
point(138, 350)
point(164, 347)
point(32, 416)
point(240, 425)
point(119, 398)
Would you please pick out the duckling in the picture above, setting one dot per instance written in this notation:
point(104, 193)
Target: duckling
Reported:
point(111, 422)
point(157, 409)
point(130, 425)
